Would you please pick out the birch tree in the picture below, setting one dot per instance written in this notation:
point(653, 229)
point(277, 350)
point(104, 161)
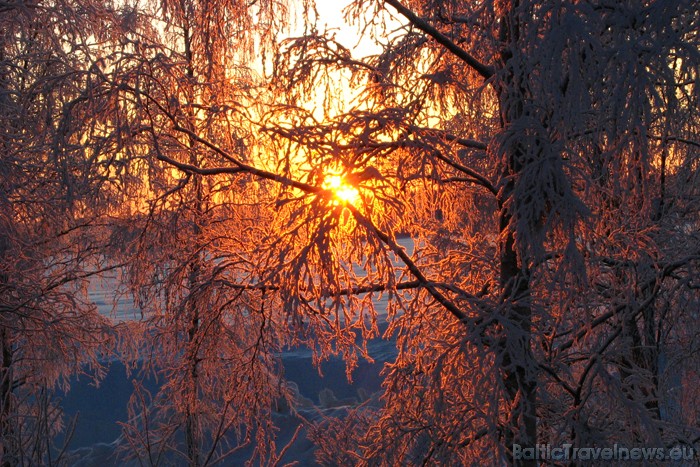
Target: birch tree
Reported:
point(543, 157)
point(53, 171)
point(529, 146)
point(184, 92)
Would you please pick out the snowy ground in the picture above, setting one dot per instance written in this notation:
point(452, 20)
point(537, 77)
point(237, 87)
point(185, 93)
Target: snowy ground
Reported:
point(99, 409)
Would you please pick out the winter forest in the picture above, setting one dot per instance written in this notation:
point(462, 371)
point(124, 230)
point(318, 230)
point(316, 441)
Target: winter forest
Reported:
point(377, 232)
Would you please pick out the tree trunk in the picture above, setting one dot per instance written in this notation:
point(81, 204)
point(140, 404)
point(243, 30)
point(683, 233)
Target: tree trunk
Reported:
point(517, 361)
point(7, 435)
point(518, 366)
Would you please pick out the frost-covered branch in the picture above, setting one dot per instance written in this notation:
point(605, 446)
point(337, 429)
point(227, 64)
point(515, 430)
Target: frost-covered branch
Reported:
point(485, 71)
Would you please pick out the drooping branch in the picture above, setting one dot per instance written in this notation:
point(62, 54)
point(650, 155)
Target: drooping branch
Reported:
point(484, 70)
point(652, 284)
point(464, 142)
point(411, 266)
point(476, 177)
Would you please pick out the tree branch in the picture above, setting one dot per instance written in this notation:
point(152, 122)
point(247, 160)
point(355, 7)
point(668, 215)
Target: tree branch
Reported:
point(677, 139)
point(411, 266)
point(239, 166)
point(467, 143)
point(485, 71)
point(476, 176)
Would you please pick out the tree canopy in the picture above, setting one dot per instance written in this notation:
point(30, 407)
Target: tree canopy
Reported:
point(249, 176)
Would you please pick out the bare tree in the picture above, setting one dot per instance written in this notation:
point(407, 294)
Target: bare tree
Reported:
point(182, 92)
point(52, 196)
point(544, 159)
point(529, 147)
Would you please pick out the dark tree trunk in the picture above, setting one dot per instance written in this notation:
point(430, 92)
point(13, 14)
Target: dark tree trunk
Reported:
point(517, 360)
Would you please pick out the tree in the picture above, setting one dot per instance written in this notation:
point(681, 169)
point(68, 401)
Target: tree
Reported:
point(544, 159)
point(532, 144)
point(52, 199)
point(180, 93)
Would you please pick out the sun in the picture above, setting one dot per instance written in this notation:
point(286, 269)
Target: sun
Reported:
point(343, 192)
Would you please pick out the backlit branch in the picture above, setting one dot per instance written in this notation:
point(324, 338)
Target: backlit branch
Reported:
point(476, 177)
point(464, 142)
point(239, 167)
point(485, 71)
point(411, 266)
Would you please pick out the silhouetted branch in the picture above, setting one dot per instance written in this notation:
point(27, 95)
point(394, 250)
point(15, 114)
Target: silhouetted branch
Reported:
point(485, 71)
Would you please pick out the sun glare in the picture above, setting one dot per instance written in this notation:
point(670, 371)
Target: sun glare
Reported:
point(343, 192)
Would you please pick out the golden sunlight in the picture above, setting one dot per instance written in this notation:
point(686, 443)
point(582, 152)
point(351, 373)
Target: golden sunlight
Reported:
point(343, 192)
